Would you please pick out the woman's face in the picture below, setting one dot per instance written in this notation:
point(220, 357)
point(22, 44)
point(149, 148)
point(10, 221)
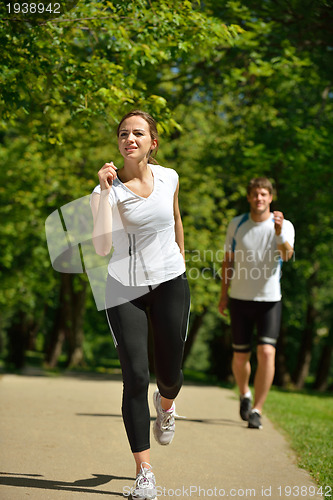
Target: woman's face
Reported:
point(134, 140)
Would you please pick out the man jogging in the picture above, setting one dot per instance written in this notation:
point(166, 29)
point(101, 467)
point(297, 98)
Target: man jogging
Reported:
point(256, 244)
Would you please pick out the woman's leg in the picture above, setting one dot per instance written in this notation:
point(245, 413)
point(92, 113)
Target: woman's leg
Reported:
point(169, 313)
point(128, 323)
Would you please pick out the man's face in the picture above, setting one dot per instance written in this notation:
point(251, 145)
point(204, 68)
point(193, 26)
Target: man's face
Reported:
point(259, 200)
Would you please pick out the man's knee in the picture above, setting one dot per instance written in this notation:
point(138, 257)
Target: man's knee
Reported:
point(266, 353)
point(240, 358)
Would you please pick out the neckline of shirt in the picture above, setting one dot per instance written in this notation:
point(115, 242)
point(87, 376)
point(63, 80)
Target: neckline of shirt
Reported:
point(153, 171)
point(270, 218)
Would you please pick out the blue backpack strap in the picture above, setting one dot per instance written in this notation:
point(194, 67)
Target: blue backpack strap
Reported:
point(243, 219)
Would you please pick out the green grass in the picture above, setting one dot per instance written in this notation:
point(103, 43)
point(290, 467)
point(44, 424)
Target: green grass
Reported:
point(306, 418)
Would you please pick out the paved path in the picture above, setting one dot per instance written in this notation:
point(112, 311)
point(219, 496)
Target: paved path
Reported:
point(62, 438)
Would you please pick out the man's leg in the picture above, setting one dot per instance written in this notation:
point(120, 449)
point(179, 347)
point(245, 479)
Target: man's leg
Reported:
point(242, 328)
point(241, 368)
point(264, 374)
point(269, 320)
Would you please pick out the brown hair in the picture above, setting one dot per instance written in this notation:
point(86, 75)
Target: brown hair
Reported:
point(260, 182)
point(152, 128)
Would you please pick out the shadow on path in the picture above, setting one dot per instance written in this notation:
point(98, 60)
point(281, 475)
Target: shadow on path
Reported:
point(81, 485)
point(209, 421)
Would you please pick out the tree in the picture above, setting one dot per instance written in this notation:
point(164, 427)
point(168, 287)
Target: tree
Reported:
point(270, 114)
point(65, 83)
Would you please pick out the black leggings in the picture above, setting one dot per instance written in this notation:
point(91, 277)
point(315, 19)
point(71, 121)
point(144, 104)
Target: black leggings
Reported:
point(167, 306)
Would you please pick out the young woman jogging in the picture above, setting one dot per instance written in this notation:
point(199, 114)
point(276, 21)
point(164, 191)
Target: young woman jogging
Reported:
point(135, 210)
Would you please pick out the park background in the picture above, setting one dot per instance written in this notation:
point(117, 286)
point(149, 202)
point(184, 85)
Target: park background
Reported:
point(239, 89)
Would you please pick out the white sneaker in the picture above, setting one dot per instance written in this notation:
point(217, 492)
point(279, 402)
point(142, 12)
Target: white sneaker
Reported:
point(145, 485)
point(164, 425)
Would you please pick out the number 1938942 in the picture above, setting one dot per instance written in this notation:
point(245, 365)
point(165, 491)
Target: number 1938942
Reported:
point(33, 8)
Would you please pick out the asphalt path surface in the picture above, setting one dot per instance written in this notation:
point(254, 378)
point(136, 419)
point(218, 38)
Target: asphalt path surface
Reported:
point(62, 438)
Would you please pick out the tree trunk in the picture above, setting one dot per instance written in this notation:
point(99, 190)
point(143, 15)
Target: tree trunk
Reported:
point(68, 325)
point(56, 342)
point(21, 336)
point(17, 341)
point(221, 354)
point(305, 353)
point(59, 332)
point(282, 376)
point(324, 365)
point(193, 332)
point(75, 333)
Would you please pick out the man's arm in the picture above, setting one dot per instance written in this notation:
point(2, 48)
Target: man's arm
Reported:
point(284, 247)
point(286, 251)
point(227, 271)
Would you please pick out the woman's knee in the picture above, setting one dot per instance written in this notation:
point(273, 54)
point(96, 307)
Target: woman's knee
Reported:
point(136, 382)
point(169, 387)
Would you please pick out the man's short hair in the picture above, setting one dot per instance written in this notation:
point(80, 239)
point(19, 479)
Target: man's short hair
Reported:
point(261, 183)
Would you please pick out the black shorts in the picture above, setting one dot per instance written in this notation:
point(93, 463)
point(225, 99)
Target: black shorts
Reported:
point(247, 314)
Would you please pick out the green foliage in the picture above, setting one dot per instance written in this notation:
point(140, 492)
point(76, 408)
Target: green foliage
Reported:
point(95, 62)
point(271, 114)
point(64, 84)
point(239, 89)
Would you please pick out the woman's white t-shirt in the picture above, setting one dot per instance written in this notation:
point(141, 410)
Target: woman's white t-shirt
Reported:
point(145, 251)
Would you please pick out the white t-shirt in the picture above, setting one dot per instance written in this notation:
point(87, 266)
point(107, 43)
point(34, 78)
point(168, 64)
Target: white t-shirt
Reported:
point(257, 262)
point(145, 251)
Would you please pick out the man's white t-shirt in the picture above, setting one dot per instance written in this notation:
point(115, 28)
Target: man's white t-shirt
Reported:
point(257, 262)
point(145, 251)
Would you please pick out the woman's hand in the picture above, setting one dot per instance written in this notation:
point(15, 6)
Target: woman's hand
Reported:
point(107, 175)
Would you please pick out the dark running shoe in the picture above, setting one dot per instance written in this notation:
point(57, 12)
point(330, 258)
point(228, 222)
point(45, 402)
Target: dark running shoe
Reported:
point(255, 420)
point(245, 407)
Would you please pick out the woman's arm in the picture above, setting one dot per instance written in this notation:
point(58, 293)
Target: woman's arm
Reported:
point(102, 212)
point(179, 231)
